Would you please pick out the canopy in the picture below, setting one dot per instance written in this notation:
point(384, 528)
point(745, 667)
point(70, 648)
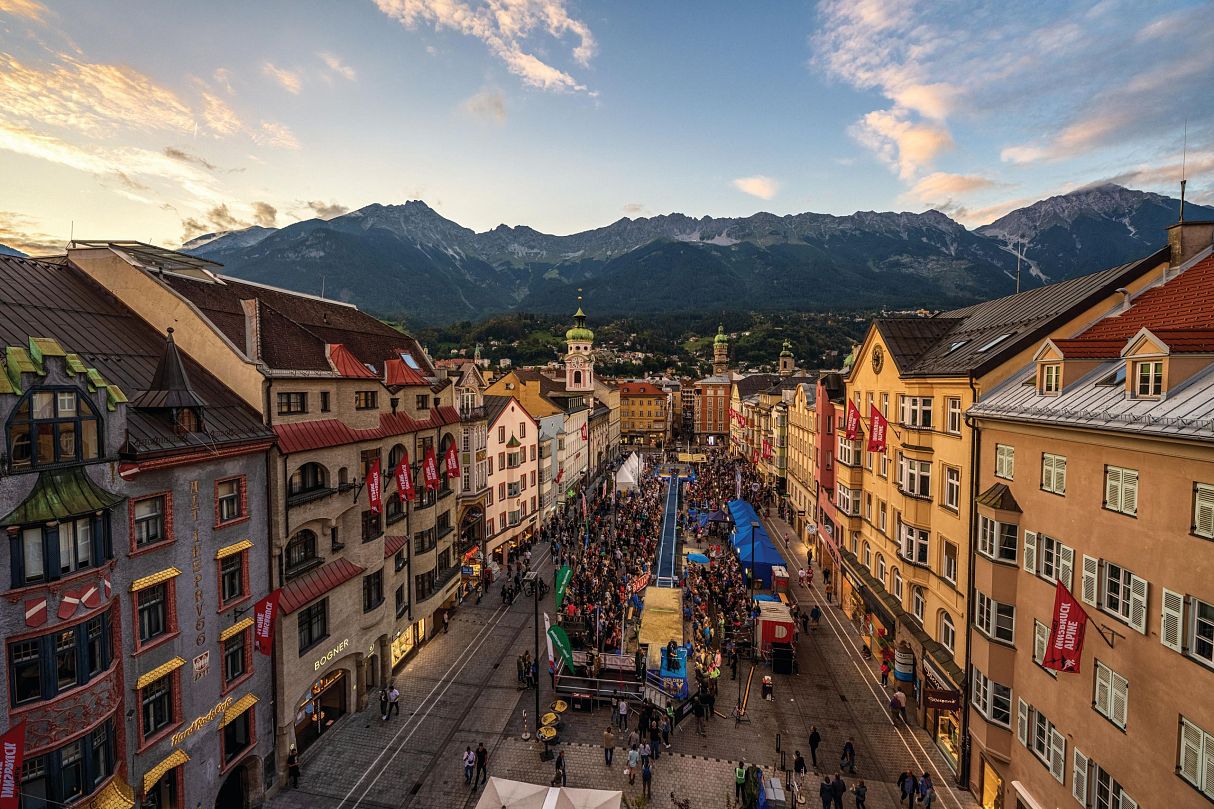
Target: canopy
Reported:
point(698, 558)
point(501, 793)
point(766, 557)
point(629, 474)
point(765, 597)
point(718, 516)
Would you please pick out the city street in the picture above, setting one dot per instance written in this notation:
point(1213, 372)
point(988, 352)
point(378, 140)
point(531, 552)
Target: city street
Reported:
point(460, 690)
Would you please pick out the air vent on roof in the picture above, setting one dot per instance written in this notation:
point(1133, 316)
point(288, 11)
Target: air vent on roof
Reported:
point(994, 342)
point(956, 345)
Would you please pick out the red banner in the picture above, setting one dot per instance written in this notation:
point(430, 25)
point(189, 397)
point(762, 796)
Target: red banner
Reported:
point(12, 752)
point(1065, 649)
point(452, 461)
point(766, 450)
point(430, 469)
point(264, 613)
point(853, 421)
point(375, 488)
point(560, 473)
point(404, 479)
point(585, 432)
point(878, 427)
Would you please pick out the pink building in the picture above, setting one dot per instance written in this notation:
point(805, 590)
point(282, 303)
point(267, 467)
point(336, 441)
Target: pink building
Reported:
point(830, 393)
point(513, 505)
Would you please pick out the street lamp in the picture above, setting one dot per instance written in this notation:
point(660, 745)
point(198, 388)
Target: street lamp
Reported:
point(531, 587)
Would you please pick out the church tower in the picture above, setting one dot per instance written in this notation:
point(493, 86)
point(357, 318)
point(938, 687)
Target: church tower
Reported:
point(720, 353)
point(579, 359)
point(787, 365)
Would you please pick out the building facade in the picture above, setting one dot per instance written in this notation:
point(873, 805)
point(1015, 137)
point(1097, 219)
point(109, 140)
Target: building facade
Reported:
point(802, 477)
point(470, 386)
point(644, 414)
point(514, 502)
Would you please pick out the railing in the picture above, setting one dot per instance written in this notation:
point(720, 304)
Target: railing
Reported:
point(444, 576)
point(472, 414)
point(309, 496)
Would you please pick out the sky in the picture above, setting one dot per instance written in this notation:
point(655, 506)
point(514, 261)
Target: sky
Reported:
point(163, 121)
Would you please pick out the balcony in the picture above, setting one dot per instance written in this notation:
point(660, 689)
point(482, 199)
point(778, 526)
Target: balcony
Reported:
point(472, 414)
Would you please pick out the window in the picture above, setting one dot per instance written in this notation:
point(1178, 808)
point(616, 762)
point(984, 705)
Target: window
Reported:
point(1117, 591)
point(896, 581)
point(1051, 378)
point(918, 602)
point(868, 556)
point(66, 774)
point(394, 509)
point(1196, 760)
point(372, 525)
point(366, 399)
point(152, 606)
point(952, 408)
point(373, 590)
point(916, 411)
point(401, 604)
point(423, 585)
point(1148, 379)
point(150, 520)
point(236, 657)
point(881, 569)
point(42, 667)
point(1093, 786)
point(948, 632)
point(997, 540)
point(868, 506)
point(914, 544)
point(50, 427)
point(848, 500)
point(231, 578)
point(950, 562)
point(849, 451)
point(993, 619)
point(1112, 695)
point(993, 343)
point(156, 702)
point(1048, 558)
point(914, 477)
point(501, 434)
point(993, 701)
point(1041, 643)
point(881, 522)
point(301, 552)
point(307, 479)
point(313, 624)
point(229, 500)
point(1053, 473)
point(238, 735)
point(952, 487)
point(1005, 461)
point(1203, 510)
point(423, 401)
point(292, 404)
point(400, 559)
point(1039, 735)
point(424, 541)
point(1121, 490)
point(324, 401)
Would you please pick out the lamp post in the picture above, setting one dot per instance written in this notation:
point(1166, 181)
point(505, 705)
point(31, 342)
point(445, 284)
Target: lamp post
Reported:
point(531, 587)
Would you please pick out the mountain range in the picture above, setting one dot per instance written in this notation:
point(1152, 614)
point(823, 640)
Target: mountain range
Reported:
point(407, 261)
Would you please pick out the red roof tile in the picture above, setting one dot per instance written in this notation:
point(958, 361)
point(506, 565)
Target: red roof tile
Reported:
point(347, 364)
point(639, 389)
point(397, 372)
point(309, 435)
point(311, 586)
point(394, 544)
point(1186, 302)
point(1090, 349)
point(1186, 341)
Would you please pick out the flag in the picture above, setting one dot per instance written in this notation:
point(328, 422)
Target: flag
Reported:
point(264, 613)
point(404, 479)
point(12, 752)
point(1065, 648)
point(766, 450)
point(562, 581)
point(547, 637)
point(853, 421)
point(560, 473)
point(560, 642)
point(375, 488)
point(452, 461)
point(430, 469)
point(585, 432)
point(878, 427)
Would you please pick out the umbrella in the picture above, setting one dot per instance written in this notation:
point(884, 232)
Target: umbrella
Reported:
point(698, 558)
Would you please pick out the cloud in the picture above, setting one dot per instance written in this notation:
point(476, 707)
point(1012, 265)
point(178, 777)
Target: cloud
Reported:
point(335, 64)
point(939, 188)
point(757, 186)
point(220, 218)
point(506, 28)
point(265, 214)
point(218, 116)
point(29, 9)
point(901, 142)
point(22, 233)
point(223, 77)
point(274, 134)
point(326, 210)
point(488, 105)
point(186, 157)
point(634, 208)
point(287, 79)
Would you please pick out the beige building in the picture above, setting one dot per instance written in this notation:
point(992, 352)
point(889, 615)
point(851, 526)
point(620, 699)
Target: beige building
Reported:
point(644, 414)
point(802, 472)
point(514, 483)
point(1096, 471)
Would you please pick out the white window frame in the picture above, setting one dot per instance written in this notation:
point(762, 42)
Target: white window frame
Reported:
point(1203, 510)
point(952, 409)
point(988, 696)
point(1148, 385)
point(915, 411)
point(867, 558)
point(915, 477)
point(952, 488)
point(1041, 643)
point(948, 567)
point(1005, 461)
point(896, 582)
point(1049, 558)
point(994, 619)
point(1128, 604)
point(1121, 490)
point(948, 632)
point(847, 500)
point(914, 544)
point(882, 520)
point(1053, 473)
point(1035, 731)
point(1111, 695)
point(1051, 378)
point(997, 540)
point(849, 451)
point(918, 603)
point(881, 568)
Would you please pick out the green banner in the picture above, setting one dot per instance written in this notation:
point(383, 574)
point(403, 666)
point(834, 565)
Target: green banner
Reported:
point(562, 581)
point(560, 642)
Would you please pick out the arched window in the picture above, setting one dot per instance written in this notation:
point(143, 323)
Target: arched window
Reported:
point(301, 551)
point(897, 584)
point(918, 602)
point(881, 569)
point(394, 457)
point(444, 475)
point(868, 556)
point(394, 509)
point(53, 426)
point(577, 377)
point(948, 632)
point(307, 479)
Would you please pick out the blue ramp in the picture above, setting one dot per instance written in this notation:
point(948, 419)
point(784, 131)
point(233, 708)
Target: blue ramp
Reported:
point(666, 543)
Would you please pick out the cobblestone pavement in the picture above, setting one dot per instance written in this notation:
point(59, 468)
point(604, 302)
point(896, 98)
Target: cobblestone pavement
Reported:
point(460, 690)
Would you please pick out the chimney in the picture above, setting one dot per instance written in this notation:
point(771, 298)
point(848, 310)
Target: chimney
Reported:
point(1187, 239)
point(1126, 301)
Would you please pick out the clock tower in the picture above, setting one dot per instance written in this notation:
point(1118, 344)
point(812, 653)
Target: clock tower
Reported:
point(579, 359)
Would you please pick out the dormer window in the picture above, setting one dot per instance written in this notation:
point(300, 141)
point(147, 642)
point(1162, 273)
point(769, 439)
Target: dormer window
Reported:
point(1148, 379)
point(186, 420)
point(1051, 378)
point(51, 427)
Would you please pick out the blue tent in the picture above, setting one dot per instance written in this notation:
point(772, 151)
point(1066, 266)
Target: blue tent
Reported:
point(766, 557)
point(765, 597)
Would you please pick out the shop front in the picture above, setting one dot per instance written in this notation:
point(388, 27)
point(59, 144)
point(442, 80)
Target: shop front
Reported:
point(877, 626)
point(942, 702)
point(471, 574)
point(325, 701)
point(990, 786)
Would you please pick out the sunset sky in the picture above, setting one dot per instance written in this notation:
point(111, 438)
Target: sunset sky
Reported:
point(161, 121)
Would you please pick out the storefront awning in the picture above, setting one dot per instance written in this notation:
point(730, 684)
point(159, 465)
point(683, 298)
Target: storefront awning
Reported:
point(311, 586)
point(61, 494)
point(237, 708)
point(114, 795)
point(174, 759)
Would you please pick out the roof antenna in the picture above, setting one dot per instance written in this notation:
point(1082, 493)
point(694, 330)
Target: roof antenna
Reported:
point(1184, 155)
point(1018, 252)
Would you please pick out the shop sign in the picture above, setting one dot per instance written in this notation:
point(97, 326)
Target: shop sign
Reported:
point(328, 656)
point(202, 665)
point(201, 721)
point(941, 699)
point(200, 624)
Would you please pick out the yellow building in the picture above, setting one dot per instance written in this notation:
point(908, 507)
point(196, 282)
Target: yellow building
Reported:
point(644, 414)
point(906, 515)
point(802, 477)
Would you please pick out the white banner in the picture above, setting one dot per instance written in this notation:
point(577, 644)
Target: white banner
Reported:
point(548, 638)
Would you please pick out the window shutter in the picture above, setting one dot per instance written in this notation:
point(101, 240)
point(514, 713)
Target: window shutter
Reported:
point(1079, 776)
point(1059, 474)
point(1207, 759)
point(1203, 511)
point(1138, 603)
point(1112, 488)
point(1091, 570)
point(1057, 755)
point(1126, 802)
point(1022, 722)
point(1171, 624)
point(1121, 699)
point(1129, 492)
point(1066, 565)
point(1103, 687)
point(1030, 551)
point(1041, 641)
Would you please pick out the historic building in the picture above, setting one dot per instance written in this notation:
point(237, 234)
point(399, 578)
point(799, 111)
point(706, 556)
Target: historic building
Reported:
point(604, 425)
point(644, 414)
point(711, 417)
point(802, 474)
point(1096, 474)
point(470, 385)
point(905, 516)
point(513, 504)
point(132, 495)
point(349, 399)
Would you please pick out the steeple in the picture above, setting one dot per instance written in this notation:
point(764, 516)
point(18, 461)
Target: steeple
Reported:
point(170, 391)
point(579, 358)
point(720, 352)
point(787, 364)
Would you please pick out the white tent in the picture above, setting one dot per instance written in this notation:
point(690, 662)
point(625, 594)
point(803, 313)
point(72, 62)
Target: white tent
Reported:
point(629, 474)
point(501, 793)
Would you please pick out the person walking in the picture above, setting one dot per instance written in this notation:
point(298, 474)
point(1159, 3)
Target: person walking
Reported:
point(826, 792)
point(393, 701)
point(608, 745)
point(469, 764)
point(884, 674)
point(927, 791)
point(815, 739)
point(655, 739)
point(815, 615)
point(482, 766)
point(898, 703)
point(383, 705)
point(805, 622)
point(623, 714)
point(848, 758)
point(739, 780)
point(446, 621)
point(665, 731)
point(697, 710)
point(293, 767)
point(560, 777)
point(907, 787)
point(798, 766)
point(861, 792)
point(646, 780)
point(646, 751)
point(634, 760)
point(838, 788)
